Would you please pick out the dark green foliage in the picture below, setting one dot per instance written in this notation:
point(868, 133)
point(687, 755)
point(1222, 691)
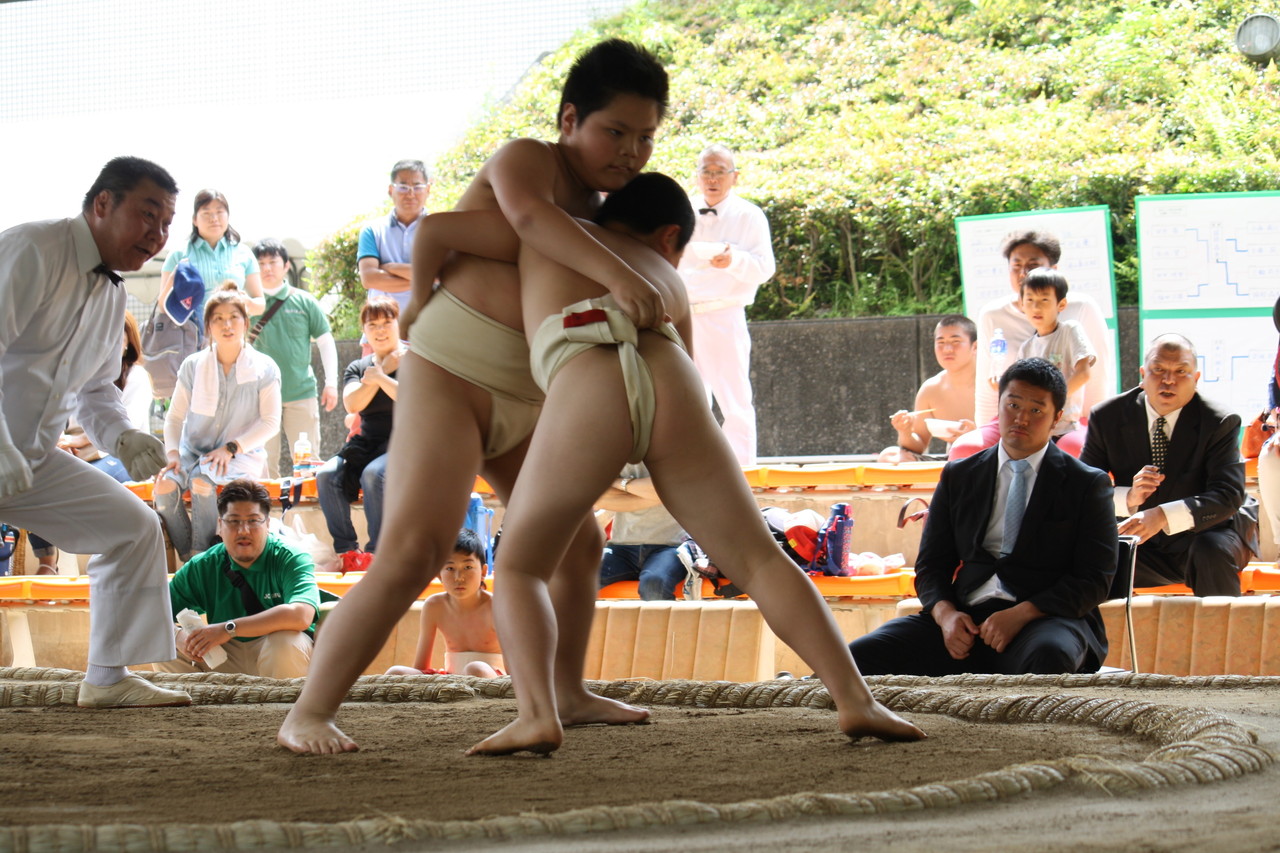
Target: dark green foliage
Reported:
point(864, 127)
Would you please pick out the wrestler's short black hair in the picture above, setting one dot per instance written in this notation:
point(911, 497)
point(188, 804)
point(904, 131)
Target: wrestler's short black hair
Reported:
point(468, 542)
point(1045, 278)
point(271, 246)
point(611, 68)
point(647, 203)
point(244, 490)
point(1042, 375)
point(970, 328)
point(1042, 240)
point(123, 174)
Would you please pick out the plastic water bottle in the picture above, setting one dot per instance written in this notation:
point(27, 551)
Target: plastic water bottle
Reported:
point(301, 455)
point(999, 354)
point(190, 621)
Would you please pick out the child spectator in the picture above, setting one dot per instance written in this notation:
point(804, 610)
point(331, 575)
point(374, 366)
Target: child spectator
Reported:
point(463, 614)
point(1062, 343)
point(946, 396)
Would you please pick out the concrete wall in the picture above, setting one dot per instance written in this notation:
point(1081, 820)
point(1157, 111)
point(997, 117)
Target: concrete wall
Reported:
point(829, 386)
point(822, 386)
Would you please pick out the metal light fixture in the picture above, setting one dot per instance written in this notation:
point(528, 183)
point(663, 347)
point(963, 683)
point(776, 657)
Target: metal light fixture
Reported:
point(1258, 38)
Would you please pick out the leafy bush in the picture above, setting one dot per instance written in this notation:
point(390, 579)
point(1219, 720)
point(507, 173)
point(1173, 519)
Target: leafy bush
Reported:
point(864, 127)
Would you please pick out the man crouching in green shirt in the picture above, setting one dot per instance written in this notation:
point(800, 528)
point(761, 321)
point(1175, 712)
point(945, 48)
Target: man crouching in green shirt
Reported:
point(255, 589)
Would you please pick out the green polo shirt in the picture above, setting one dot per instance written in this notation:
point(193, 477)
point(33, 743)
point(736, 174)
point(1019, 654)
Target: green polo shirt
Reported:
point(287, 339)
point(280, 575)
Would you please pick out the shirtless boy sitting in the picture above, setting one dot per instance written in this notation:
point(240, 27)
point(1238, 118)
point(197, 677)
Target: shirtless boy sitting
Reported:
point(465, 390)
point(947, 395)
point(615, 394)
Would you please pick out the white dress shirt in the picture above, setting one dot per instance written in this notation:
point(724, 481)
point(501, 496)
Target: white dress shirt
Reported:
point(744, 227)
point(993, 541)
point(61, 327)
point(1177, 515)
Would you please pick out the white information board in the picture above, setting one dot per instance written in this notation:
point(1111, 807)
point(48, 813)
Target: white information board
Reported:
point(1085, 235)
point(1209, 251)
point(1209, 269)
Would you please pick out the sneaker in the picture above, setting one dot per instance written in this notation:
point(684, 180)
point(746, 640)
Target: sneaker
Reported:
point(355, 561)
point(132, 691)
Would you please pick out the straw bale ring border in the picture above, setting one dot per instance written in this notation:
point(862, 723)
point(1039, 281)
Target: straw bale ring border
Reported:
point(1192, 747)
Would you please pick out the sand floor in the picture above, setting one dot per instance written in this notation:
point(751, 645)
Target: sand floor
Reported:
point(216, 763)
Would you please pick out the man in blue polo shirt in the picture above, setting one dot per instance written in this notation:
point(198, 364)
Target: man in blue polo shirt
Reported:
point(386, 243)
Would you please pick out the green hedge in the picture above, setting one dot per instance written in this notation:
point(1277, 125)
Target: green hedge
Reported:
point(864, 128)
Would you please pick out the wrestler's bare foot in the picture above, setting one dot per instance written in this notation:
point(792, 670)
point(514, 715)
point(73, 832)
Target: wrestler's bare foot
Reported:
point(875, 720)
point(521, 736)
point(587, 709)
point(315, 735)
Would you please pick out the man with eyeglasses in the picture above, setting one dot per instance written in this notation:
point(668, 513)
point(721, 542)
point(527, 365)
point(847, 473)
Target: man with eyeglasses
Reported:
point(386, 243)
point(727, 260)
point(259, 594)
point(1179, 479)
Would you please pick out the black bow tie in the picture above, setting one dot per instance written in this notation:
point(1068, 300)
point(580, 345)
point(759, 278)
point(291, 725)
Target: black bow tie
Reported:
point(111, 274)
point(705, 210)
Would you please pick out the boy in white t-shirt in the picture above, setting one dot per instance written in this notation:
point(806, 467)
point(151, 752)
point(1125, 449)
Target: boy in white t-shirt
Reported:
point(1060, 342)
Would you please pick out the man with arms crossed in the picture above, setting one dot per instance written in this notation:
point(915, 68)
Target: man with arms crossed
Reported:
point(386, 244)
point(61, 316)
point(729, 257)
point(1018, 551)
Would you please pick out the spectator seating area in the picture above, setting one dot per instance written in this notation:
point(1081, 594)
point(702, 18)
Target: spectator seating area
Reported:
point(44, 620)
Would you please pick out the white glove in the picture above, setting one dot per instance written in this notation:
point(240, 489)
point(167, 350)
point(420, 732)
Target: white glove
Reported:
point(141, 453)
point(15, 473)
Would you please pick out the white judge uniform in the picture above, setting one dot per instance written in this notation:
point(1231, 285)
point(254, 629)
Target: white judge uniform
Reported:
point(717, 302)
point(61, 334)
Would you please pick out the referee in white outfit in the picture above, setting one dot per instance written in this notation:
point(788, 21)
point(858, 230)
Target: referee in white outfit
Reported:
point(61, 334)
point(728, 259)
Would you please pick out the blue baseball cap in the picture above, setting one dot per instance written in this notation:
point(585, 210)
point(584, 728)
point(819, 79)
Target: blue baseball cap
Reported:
point(187, 296)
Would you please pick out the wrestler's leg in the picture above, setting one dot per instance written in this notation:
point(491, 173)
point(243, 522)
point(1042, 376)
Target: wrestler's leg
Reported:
point(584, 429)
point(700, 483)
point(433, 458)
point(573, 588)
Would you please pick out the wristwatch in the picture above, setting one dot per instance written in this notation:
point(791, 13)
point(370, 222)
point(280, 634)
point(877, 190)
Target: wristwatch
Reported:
point(230, 626)
point(626, 481)
point(232, 447)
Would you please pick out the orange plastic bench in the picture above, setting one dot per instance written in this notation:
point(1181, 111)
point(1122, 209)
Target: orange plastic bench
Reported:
point(808, 476)
point(905, 474)
point(901, 583)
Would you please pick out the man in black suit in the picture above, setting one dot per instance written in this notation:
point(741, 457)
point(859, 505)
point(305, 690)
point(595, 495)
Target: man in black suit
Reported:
point(1010, 583)
point(1178, 474)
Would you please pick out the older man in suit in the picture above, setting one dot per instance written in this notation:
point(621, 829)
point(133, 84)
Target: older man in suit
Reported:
point(1018, 552)
point(1178, 475)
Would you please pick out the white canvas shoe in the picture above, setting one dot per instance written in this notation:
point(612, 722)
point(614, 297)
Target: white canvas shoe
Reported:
point(132, 691)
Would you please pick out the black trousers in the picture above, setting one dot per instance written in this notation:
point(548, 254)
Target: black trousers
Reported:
point(1208, 562)
point(912, 645)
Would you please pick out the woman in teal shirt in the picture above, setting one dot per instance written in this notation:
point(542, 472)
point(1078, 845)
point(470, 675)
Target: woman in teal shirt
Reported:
point(216, 251)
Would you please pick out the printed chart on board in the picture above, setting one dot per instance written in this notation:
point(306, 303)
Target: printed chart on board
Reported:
point(1085, 236)
point(1209, 269)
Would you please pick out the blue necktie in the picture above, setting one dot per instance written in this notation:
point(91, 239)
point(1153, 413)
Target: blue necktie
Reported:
point(1015, 506)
